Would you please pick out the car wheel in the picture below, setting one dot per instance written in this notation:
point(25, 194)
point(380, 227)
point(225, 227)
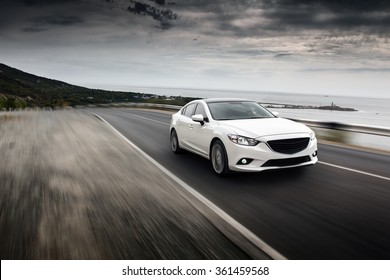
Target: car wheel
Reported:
point(219, 159)
point(175, 142)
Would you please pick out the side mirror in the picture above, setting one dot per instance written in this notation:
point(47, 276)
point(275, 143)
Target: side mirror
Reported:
point(276, 114)
point(198, 118)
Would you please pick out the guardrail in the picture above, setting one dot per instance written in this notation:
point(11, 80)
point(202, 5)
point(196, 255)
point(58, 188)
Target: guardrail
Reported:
point(352, 134)
point(333, 130)
point(374, 137)
point(357, 128)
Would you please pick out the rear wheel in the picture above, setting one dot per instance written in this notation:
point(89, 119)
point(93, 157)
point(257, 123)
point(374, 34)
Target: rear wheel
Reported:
point(175, 142)
point(219, 159)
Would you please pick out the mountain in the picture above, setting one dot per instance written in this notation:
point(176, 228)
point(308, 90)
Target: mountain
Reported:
point(19, 89)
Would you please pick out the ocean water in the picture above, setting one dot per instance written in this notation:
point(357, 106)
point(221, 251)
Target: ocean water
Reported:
point(370, 111)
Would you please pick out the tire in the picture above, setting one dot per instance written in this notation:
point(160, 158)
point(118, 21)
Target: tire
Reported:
point(175, 142)
point(219, 159)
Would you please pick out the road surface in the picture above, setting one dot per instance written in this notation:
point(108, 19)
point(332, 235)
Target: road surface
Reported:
point(337, 209)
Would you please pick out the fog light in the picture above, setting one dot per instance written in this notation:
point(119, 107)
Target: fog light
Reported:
point(244, 161)
point(314, 154)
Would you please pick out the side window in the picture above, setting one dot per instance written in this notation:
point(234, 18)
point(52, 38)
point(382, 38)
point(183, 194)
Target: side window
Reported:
point(189, 110)
point(200, 110)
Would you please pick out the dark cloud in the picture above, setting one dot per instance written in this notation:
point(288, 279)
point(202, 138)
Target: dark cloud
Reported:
point(159, 2)
point(39, 15)
point(282, 54)
point(46, 2)
point(338, 6)
point(164, 16)
point(38, 3)
point(278, 16)
point(59, 20)
point(220, 18)
point(374, 16)
point(41, 24)
point(288, 16)
point(34, 29)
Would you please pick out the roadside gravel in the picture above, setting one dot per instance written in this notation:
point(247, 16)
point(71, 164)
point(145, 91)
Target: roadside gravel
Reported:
point(70, 188)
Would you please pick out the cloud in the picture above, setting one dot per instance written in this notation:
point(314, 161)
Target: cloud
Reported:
point(344, 15)
point(333, 5)
point(164, 16)
point(241, 19)
point(44, 23)
point(349, 69)
point(197, 40)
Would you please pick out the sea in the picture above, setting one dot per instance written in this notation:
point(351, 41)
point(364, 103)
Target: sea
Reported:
point(370, 111)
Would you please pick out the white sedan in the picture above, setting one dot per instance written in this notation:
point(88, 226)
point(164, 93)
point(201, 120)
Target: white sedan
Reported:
point(241, 135)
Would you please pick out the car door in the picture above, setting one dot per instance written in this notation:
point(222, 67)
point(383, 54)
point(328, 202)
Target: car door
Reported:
point(201, 134)
point(184, 125)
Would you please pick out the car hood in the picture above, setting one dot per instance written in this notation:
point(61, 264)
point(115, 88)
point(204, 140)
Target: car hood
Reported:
point(255, 128)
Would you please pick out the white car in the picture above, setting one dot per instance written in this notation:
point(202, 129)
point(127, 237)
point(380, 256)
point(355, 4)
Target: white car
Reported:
point(241, 135)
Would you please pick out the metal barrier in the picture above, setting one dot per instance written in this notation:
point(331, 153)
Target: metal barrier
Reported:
point(334, 129)
point(357, 128)
point(366, 129)
point(353, 134)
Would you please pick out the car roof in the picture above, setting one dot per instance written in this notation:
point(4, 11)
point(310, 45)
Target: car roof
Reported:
point(211, 100)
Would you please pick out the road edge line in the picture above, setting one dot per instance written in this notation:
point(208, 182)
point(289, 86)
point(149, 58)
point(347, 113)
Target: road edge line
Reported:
point(354, 170)
point(258, 242)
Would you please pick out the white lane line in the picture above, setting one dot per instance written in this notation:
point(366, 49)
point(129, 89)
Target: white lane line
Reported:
point(148, 119)
point(236, 225)
point(354, 170)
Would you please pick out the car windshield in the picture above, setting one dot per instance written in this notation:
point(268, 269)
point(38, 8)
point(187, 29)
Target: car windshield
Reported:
point(237, 110)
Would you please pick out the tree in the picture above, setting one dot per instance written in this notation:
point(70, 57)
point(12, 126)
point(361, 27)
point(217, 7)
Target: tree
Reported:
point(10, 103)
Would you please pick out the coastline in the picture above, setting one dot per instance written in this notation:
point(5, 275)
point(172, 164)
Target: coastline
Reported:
point(332, 107)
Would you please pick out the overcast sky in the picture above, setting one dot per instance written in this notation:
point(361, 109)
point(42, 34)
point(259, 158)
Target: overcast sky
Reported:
point(335, 47)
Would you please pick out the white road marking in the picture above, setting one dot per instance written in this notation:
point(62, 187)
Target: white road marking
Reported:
point(355, 170)
point(148, 119)
point(239, 227)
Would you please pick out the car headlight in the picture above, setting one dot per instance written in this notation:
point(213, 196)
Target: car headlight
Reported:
point(241, 140)
point(312, 135)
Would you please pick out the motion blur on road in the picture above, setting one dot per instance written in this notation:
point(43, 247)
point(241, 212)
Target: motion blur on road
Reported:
point(71, 188)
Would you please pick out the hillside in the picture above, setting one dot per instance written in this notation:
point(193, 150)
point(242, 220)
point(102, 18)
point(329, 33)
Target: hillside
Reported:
point(19, 89)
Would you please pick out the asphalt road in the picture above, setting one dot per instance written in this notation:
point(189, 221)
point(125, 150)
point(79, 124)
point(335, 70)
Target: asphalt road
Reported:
point(337, 209)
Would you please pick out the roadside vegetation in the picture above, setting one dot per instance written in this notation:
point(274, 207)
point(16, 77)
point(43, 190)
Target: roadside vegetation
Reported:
point(22, 90)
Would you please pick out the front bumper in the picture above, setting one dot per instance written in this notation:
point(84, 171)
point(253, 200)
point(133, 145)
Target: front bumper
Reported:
point(262, 157)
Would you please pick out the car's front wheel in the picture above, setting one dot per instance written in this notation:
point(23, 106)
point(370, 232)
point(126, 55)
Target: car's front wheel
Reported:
point(219, 159)
point(175, 142)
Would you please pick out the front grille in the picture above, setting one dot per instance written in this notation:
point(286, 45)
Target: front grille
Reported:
point(286, 161)
point(289, 146)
